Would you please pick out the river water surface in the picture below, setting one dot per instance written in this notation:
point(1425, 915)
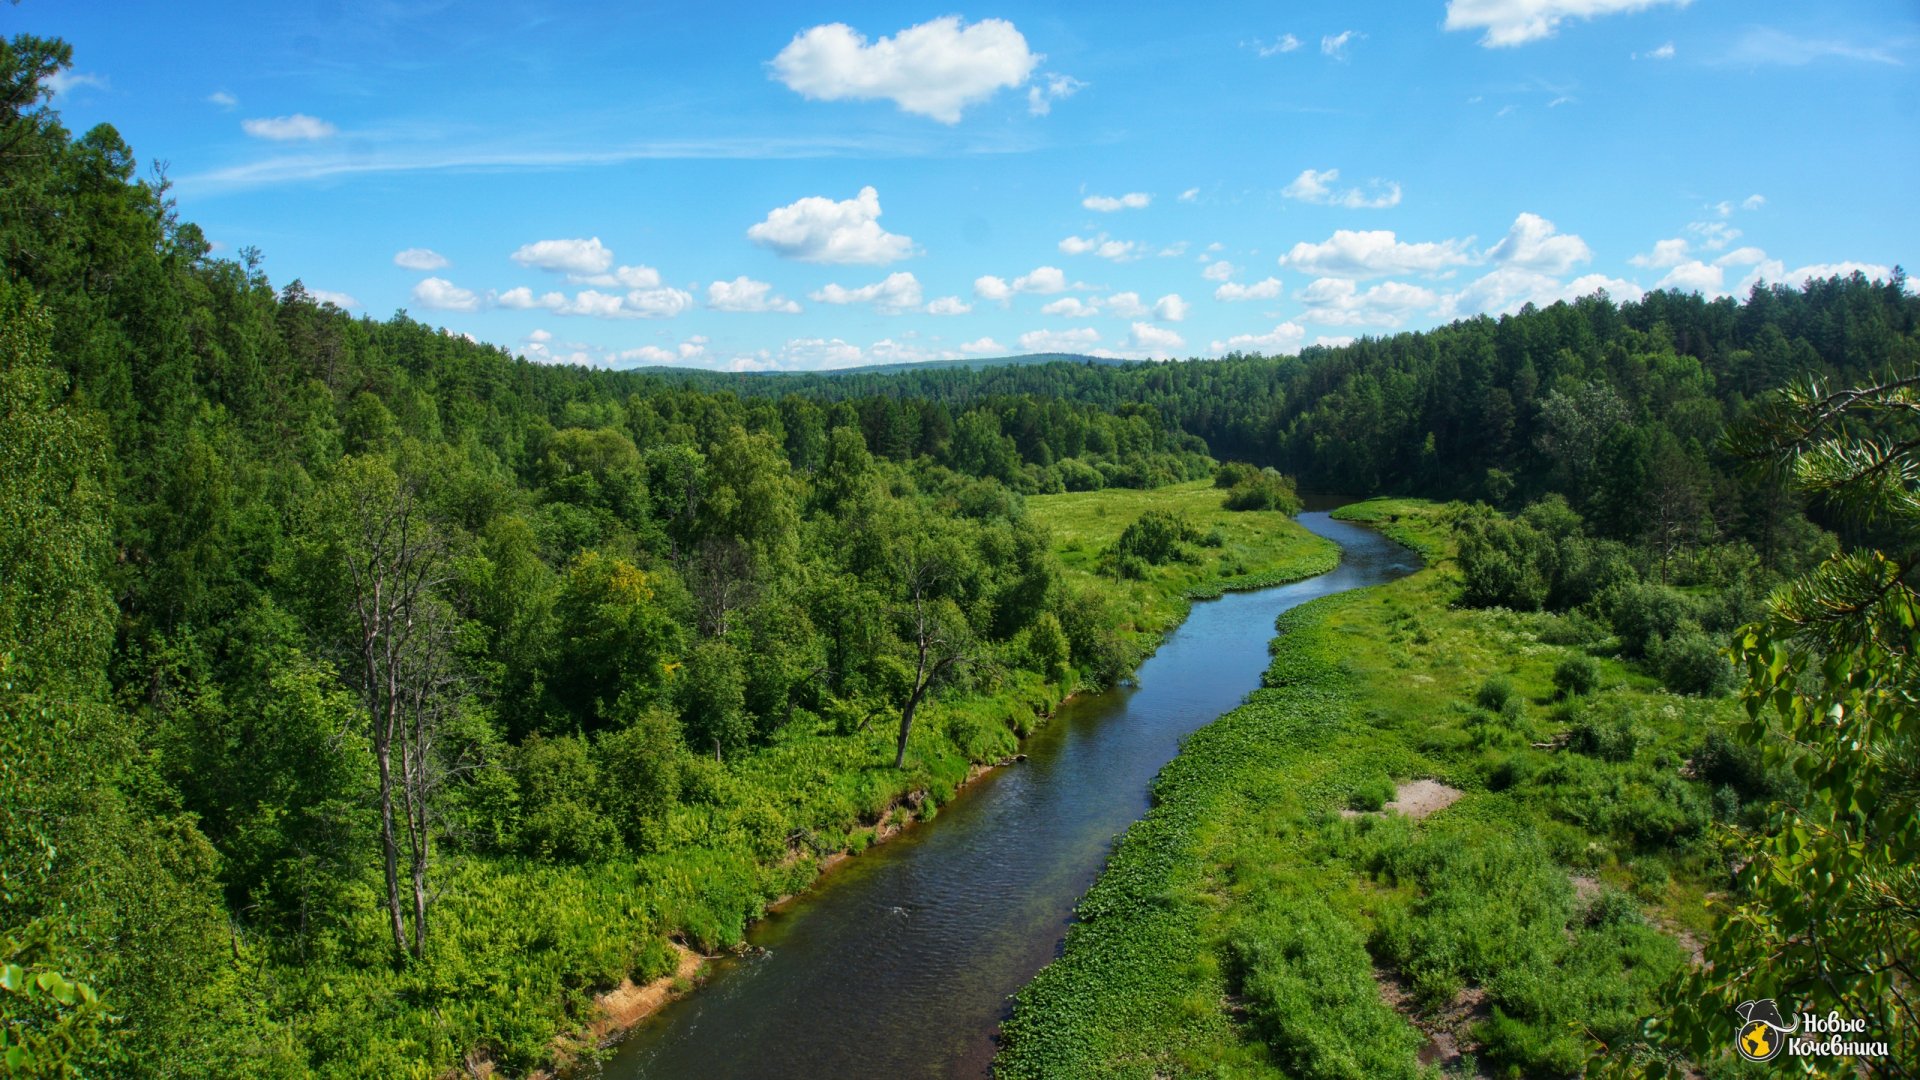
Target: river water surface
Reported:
point(899, 962)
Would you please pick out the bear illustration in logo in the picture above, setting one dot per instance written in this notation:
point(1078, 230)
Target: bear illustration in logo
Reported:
point(1761, 1028)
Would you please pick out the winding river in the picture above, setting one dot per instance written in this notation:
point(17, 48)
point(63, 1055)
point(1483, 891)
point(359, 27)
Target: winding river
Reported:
point(899, 963)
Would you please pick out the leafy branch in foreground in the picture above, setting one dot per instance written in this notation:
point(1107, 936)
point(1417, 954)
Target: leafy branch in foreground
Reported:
point(1822, 914)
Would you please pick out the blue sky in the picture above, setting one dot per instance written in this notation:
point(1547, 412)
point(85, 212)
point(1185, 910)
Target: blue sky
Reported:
point(783, 186)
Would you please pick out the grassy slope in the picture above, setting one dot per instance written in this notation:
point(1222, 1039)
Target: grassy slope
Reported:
point(521, 947)
point(1240, 928)
point(1257, 549)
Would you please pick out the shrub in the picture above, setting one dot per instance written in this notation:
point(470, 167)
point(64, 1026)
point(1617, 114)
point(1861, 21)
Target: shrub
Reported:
point(1644, 614)
point(1577, 675)
point(1373, 793)
point(1692, 663)
point(1156, 538)
point(560, 815)
point(1266, 490)
point(1613, 738)
point(1496, 695)
point(639, 767)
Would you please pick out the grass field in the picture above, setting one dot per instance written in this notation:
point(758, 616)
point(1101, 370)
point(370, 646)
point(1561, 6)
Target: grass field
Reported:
point(1256, 548)
point(1265, 921)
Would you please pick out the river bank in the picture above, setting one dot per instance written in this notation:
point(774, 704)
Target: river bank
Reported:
point(1267, 919)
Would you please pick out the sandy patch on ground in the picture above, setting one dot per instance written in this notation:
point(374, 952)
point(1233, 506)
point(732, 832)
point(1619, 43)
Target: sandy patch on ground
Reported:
point(1449, 1030)
point(1416, 799)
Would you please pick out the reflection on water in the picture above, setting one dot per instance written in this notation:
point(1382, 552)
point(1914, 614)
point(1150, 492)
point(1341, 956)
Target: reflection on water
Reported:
point(900, 962)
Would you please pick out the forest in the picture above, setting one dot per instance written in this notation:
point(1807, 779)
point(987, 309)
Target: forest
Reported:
point(370, 697)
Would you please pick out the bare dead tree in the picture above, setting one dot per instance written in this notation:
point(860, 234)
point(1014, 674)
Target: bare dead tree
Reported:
point(939, 638)
point(395, 563)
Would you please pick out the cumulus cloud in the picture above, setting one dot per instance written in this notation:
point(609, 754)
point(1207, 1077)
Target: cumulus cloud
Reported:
point(1171, 308)
point(581, 257)
point(948, 305)
point(1190, 194)
point(419, 259)
point(1219, 271)
point(897, 293)
point(439, 294)
point(935, 69)
point(1714, 235)
point(1335, 45)
point(1039, 341)
point(1072, 307)
point(1157, 338)
point(1050, 88)
point(1665, 253)
point(1043, 281)
point(745, 294)
point(1127, 305)
point(1116, 250)
point(1515, 22)
point(223, 99)
point(1264, 289)
point(1534, 244)
point(1339, 302)
point(1509, 288)
point(1664, 52)
point(1316, 186)
point(982, 347)
point(1746, 256)
point(66, 81)
point(1375, 253)
point(816, 229)
point(295, 128)
point(1874, 271)
point(592, 303)
point(1753, 202)
point(1285, 43)
point(1107, 204)
point(1693, 276)
point(337, 299)
point(1284, 339)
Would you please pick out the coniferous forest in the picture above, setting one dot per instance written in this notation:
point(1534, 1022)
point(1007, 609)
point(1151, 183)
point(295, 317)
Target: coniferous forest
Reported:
point(372, 699)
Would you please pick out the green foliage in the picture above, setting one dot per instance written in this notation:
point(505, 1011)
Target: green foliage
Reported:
point(1266, 489)
point(1690, 662)
point(1576, 676)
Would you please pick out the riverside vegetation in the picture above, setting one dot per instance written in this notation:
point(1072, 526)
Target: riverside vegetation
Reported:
point(662, 643)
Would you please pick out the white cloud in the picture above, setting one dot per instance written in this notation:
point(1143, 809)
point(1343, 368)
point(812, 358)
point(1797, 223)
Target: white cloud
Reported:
point(1875, 271)
point(1190, 195)
point(1665, 253)
point(1375, 253)
point(1334, 341)
point(647, 354)
point(936, 68)
point(949, 305)
point(297, 127)
point(745, 294)
point(1766, 45)
point(982, 347)
point(337, 299)
point(1664, 52)
point(816, 229)
point(630, 277)
point(66, 81)
point(1043, 281)
point(1339, 302)
point(1534, 243)
point(1107, 204)
point(1746, 256)
point(439, 294)
point(540, 336)
point(1316, 186)
point(1285, 43)
point(1127, 305)
point(1516, 22)
point(1159, 338)
point(1335, 45)
point(1173, 250)
point(592, 303)
point(1753, 202)
point(1265, 289)
point(1072, 307)
point(819, 353)
point(988, 287)
point(419, 259)
point(1116, 250)
point(1050, 88)
point(1714, 235)
point(1170, 308)
point(1220, 271)
point(1692, 276)
point(1284, 339)
point(223, 99)
point(653, 303)
point(523, 299)
point(1509, 288)
point(581, 257)
point(897, 293)
point(1075, 340)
